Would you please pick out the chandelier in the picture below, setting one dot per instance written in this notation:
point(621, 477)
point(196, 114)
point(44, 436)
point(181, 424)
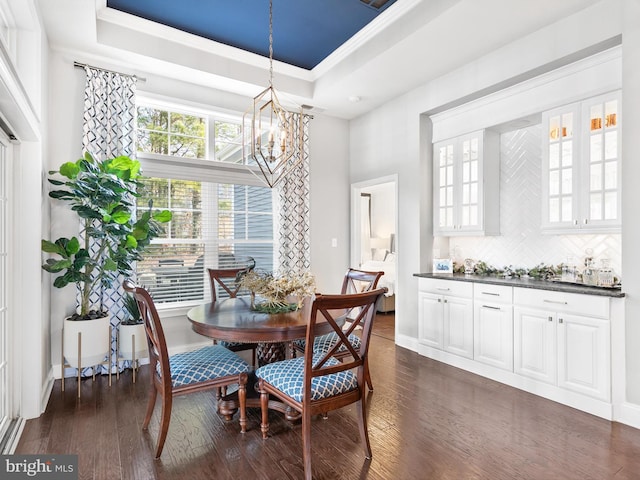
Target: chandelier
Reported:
point(272, 135)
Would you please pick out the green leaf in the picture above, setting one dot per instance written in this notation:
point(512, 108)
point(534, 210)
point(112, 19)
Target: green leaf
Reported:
point(162, 216)
point(69, 170)
point(73, 246)
point(110, 265)
point(55, 266)
point(51, 247)
point(131, 241)
point(121, 217)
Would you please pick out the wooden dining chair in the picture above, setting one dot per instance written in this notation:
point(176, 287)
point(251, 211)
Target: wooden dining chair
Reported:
point(317, 382)
point(355, 281)
point(229, 280)
point(207, 368)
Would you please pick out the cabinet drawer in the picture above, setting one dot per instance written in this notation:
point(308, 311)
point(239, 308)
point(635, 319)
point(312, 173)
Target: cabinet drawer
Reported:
point(590, 305)
point(446, 287)
point(492, 293)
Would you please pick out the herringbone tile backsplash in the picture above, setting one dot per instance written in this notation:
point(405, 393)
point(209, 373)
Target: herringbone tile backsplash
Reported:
point(521, 242)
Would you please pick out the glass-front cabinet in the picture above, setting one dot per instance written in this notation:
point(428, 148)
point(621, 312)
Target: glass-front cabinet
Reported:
point(581, 166)
point(462, 168)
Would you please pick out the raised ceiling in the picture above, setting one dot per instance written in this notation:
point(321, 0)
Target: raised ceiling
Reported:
point(305, 32)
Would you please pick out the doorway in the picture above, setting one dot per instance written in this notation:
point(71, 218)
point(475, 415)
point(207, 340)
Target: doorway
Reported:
point(374, 241)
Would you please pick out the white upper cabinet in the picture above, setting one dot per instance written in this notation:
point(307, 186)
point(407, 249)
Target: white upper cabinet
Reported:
point(581, 166)
point(466, 185)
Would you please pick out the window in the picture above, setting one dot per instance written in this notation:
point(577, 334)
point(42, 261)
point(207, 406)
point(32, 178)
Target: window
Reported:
point(216, 222)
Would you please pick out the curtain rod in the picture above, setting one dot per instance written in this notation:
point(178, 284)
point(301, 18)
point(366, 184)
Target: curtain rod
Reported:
point(83, 65)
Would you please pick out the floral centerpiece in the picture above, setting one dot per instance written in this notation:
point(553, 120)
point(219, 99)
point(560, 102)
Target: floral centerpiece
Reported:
point(277, 291)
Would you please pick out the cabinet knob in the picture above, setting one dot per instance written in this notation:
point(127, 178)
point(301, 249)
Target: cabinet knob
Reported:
point(575, 222)
point(560, 320)
point(551, 319)
point(585, 221)
point(445, 300)
point(439, 300)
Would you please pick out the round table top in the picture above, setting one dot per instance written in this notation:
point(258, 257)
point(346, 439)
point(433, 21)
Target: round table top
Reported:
point(233, 320)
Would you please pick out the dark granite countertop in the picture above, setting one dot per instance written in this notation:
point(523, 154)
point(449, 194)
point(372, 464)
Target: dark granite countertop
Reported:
point(529, 283)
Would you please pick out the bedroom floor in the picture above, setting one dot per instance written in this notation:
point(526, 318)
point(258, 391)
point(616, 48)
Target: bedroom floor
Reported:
point(385, 325)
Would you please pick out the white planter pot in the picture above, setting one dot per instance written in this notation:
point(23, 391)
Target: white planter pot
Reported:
point(132, 341)
point(95, 343)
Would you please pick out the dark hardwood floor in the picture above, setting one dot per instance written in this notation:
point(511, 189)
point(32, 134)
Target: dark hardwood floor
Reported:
point(427, 420)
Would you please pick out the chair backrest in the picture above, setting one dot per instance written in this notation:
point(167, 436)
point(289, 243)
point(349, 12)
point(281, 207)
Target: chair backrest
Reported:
point(358, 281)
point(227, 278)
point(158, 353)
point(332, 309)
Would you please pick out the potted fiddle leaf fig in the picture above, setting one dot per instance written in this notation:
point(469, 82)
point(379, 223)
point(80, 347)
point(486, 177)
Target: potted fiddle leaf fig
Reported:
point(113, 232)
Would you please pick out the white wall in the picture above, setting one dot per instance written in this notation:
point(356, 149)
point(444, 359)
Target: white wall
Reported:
point(403, 147)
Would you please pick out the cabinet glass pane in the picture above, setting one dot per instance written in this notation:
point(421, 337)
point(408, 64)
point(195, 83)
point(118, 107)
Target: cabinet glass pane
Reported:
point(449, 195)
point(595, 177)
point(610, 206)
point(554, 209)
point(474, 171)
point(465, 215)
point(567, 181)
point(610, 175)
point(567, 125)
point(595, 150)
point(473, 196)
point(473, 214)
point(450, 175)
point(554, 128)
point(554, 155)
point(611, 114)
point(465, 194)
point(567, 154)
point(465, 151)
point(443, 217)
point(443, 196)
point(554, 182)
point(595, 206)
point(595, 117)
point(474, 148)
point(611, 145)
point(566, 209)
point(465, 172)
point(443, 176)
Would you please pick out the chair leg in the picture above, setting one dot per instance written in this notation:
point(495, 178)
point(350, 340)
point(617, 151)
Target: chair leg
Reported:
point(164, 423)
point(264, 407)
point(153, 395)
point(306, 443)
point(367, 375)
point(242, 399)
point(362, 425)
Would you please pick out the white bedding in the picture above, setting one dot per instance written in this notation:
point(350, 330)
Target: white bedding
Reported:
point(388, 279)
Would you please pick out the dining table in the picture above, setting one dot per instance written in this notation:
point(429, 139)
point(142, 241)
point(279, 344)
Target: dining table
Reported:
point(235, 320)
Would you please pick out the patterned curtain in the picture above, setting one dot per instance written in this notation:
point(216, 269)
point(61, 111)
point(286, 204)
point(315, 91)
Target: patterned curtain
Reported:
point(109, 131)
point(293, 207)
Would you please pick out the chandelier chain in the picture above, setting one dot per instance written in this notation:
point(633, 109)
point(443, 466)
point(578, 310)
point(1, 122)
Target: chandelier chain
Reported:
point(271, 43)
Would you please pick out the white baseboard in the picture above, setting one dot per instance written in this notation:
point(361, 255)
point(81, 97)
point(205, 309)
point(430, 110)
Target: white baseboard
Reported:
point(407, 342)
point(629, 414)
point(46, 391)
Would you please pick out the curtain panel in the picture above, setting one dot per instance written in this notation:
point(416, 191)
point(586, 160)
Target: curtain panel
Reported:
point(109, 131)
point(293, 236)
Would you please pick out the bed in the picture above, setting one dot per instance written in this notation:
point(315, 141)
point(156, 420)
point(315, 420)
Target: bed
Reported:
point(388, 280)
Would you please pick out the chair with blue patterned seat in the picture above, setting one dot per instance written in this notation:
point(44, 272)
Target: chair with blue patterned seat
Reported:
point(355, 281)
point(317, 382)
point(228, 279)
point(207, 368)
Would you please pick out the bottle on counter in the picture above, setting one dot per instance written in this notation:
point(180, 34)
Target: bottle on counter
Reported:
point(605, 273)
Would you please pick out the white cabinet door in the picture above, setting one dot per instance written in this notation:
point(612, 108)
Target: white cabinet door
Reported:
point(493, 334)
point(534, 351)
point(466, 184)
point(601, 176)
point(581, 160)
point(430, 314)
point(583, 353)
point(458, 326)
